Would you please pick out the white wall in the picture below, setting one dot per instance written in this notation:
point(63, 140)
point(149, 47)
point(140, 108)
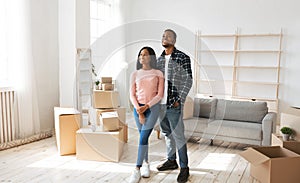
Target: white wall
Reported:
point(108, 51)
point(82, 23)
point(73, 31)
point(67, 52)
point(54, 51)
point(44, 21)
point(250, 16)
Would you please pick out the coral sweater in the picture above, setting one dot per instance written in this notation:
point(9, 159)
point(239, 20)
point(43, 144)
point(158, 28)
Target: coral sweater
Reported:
point(146, 87)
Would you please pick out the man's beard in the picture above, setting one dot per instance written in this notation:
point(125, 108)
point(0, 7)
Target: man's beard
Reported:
point(166, 45)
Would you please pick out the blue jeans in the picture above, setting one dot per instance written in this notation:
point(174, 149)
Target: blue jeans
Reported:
point(172, 127)
point(145, 130)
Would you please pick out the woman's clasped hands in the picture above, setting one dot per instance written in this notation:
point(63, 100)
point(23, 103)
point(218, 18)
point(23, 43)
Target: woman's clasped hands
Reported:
point(141, 111)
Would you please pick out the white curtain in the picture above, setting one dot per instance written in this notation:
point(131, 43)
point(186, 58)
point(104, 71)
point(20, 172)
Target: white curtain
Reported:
point(21, 65)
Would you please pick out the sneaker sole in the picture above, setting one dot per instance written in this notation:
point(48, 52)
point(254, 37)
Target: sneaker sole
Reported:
point(145, 176)
point(169, 168)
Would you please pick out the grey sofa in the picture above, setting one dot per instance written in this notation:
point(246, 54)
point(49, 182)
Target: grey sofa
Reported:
point(247, 122)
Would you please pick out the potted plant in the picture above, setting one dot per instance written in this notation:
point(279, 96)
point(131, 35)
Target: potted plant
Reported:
point(286, 133)
point(97, 86)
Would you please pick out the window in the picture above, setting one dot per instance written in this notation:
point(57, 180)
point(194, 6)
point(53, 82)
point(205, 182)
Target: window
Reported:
point(100, 18)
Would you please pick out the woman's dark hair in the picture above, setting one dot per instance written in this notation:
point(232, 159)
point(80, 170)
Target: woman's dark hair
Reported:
point(152, 58)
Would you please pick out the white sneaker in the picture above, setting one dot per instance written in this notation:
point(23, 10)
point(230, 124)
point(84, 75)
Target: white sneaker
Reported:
point(135, 176)
point(145, 170)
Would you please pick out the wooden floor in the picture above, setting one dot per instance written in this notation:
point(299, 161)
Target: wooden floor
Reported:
point(40, 162)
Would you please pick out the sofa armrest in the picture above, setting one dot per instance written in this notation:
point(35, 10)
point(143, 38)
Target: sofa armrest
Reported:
point(268, 127)
point(188, 108)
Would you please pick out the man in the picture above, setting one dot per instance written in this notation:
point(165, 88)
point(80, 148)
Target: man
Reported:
point(176, 67)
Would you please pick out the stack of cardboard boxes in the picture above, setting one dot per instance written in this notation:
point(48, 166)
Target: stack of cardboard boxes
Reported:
point(106, 84)
point(101, 141)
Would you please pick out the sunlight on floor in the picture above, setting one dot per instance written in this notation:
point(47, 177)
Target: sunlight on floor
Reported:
point(217, 161)
point(71, 163)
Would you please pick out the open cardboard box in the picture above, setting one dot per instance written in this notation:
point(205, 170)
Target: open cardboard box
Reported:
point(95, 118)
point(67, 122)
point(120, 110)
point(273, 164)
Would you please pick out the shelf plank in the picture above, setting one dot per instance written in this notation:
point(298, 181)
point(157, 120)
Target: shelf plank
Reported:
point(241, 51)
point(238, 35)
point(256, 67)
point(258, 51)
point(214, 80)
point(255, 98)
point(228, 96)
point(216, 94)
point(216, 35)
point(257, 83)
point(220, 51)
point(259, 35)
point(223, 66)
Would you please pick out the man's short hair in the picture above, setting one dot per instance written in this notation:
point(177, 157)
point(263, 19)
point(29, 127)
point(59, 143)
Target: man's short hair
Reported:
point(173, 32)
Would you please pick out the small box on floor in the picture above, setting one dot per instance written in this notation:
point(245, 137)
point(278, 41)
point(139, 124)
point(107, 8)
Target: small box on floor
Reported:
point(273, 164)
point(292, 121)
point(67, 122)
point(291, 145)
point(99, 145)
point(105, 99)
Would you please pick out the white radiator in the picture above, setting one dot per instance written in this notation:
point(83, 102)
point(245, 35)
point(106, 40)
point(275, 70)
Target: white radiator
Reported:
point(7, 115)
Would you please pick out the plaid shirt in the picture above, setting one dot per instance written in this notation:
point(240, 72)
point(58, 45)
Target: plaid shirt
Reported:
point(179, 77)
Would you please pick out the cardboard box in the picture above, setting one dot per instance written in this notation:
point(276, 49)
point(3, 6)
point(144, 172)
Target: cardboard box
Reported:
point(99, 145)
point(122, 119)
point(293, 122)
point(124, 133)
point(105, 99)
point(290, 145)
point(110, 121)
point(106, 79)
point(273, 164)
point(67, 122)
point(120, 110)
point(107, 86)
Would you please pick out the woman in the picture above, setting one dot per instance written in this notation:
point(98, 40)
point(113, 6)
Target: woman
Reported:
point(147, 89)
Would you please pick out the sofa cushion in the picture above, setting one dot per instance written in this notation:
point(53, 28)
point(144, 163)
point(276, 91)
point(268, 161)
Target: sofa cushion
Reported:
point(228, 128)
point(250, 111)
point(196, 124)
point(205, 107)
